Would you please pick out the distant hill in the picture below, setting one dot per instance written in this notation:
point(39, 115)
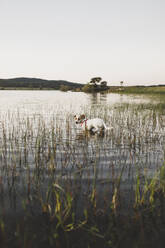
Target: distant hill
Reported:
point(24, 82)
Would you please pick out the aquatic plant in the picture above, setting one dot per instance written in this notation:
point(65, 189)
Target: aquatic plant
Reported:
point(77, 186)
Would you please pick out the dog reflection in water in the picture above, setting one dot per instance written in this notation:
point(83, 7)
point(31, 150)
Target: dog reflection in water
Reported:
point(95, 125)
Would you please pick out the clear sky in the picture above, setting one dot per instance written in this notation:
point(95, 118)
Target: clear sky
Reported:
point(74, 40)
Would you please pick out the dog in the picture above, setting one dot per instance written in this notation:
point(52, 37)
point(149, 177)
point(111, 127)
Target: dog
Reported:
point(95, 125)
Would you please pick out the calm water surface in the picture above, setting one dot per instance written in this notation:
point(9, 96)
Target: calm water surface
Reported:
point(39, 101)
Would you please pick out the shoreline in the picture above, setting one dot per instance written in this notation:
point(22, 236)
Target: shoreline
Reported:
point(111, 89)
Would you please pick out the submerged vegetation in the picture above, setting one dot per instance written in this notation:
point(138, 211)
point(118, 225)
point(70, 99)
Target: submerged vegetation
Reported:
point(60, 187)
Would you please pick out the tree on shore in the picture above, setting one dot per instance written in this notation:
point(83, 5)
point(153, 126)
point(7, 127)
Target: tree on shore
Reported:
point(121, 83)
point(95, 85)
point(95, 80)
point(103, 84)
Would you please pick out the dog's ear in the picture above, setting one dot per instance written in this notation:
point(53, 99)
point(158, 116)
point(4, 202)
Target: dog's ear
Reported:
point(82, 117)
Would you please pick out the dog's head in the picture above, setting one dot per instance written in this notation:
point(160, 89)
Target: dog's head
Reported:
point(79, 118)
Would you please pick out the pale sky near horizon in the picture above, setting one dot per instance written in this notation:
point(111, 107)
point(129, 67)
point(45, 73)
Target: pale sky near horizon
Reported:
point(75, 40)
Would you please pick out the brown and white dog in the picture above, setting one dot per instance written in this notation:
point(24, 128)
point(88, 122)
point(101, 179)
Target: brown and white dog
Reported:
point(95, 125)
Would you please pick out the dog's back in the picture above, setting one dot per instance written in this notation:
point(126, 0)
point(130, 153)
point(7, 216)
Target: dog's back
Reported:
point(96, 123)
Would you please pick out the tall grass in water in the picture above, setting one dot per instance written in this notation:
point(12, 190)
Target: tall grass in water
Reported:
point(77, 187)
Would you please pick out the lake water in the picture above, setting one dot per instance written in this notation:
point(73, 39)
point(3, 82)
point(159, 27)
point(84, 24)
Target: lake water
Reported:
point(38, 135)
point(42, 102)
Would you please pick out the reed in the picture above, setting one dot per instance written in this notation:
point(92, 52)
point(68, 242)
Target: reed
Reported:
point(73, 186)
